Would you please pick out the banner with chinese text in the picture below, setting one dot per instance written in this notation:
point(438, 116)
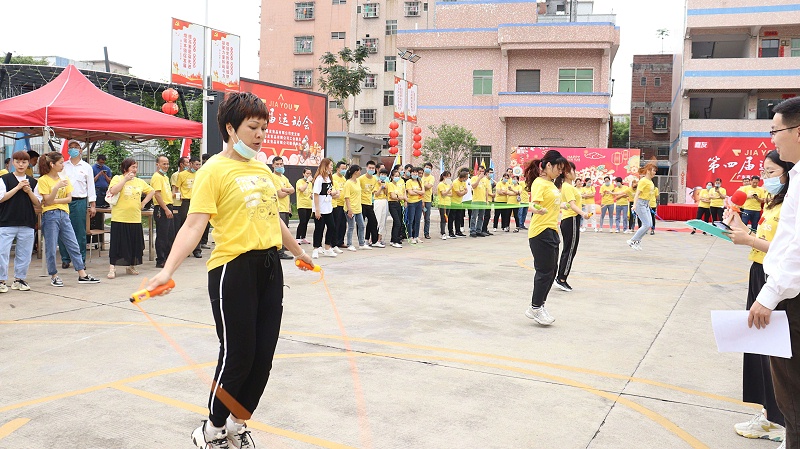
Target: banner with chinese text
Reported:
point(727, 158)
point(187, 53)
point(224, 61)
point(400, 86)
point(411, 104)
point(297, 123)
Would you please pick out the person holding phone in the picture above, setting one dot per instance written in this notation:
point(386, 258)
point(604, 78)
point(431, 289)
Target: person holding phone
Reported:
point(397, 194)
point(305, 190)
point(381, 205)
point(704, 206)
point(717, 204)
point(756, 197)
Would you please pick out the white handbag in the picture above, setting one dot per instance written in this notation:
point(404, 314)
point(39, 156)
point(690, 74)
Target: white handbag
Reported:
point(112, 199)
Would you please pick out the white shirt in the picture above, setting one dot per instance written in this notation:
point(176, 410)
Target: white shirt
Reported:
point(782, 262)
point(467, 196)
point(82, 178)
point(325, 199)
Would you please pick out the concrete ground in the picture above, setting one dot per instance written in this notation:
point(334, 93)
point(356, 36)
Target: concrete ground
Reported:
point(440, 353)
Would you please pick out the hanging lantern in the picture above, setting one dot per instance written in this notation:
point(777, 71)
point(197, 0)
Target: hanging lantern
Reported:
point(417, 138)
point(394, 134)
point(417, 130)
point(393, 150)
point(417, 153)
point(393, 142)
point(393, 125)
point(417, 145)
point(169, 108)
point(170, 95)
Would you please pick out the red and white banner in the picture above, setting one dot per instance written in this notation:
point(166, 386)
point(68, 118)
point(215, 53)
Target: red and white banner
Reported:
point(225, 61)
point(400, 88)
point(186, 147)
point(727, 158)
point(411, 104)
point(65, 149)
point(187, 53)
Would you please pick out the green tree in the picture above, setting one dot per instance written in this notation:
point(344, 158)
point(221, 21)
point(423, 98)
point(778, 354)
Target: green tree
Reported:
point(173, 149)
point(451, 144)
point(27, 60)
point(621, 134)
point(115, 154)
point(342, 75)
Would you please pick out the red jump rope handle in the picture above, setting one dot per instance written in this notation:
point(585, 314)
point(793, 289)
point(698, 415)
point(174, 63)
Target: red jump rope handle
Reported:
point(145, 294)
point(302, 264)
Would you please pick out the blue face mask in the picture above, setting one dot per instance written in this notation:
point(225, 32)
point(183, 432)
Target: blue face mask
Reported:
point(243, 150)
point(773, 185)
point(73, 152)
point(491, 175)
point(515, 182)
point(396, 178)
point(427, 171)
point(192, 170)
point(384, 178)
point(343, 171)
point(163, 172)
point(279, 170)
point(370, 171)
point(413, 176)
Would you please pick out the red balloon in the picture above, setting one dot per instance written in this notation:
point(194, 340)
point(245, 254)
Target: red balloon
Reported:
point(394, 134)
point(393, 150)
point(169, 95)
point(169, 108)
point(417, 137)
point(394, 125)
point(393, 142)
point(417, 153)
point(416, 130)
point(417, 145)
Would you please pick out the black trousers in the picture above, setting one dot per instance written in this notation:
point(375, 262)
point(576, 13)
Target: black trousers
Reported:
point(372, 223)
point(505, 218)
point(456, 220)
point(247, 301)
point(320, 225)
point(185, 203)
point(498, 216)
point(572, 237)
point(302, 228)
point(443, 221)
point(786, 375)
point(704, 213)
point(339, 225)
point(165, 234)
point(756, 375)
point(204, 238)
point(396, 211)
point(716, 213)
point(486, 218)
point(544, 248)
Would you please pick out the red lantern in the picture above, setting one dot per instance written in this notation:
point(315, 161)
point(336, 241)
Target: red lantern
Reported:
point(416, 130)
point(417, 137)
point(170, 95)
point(393, 142)
point(169, 108)
point(393, 125)
point(394, 134)
point(417, 153)
point(393, 150)
point(417, 145)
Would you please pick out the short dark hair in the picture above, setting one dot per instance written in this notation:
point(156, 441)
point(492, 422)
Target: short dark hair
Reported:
point(353, 168)
point(193, 159)
point(756, 177)
point(183, 160)
point(789, 110)
point(33, 154)
point(384, 171)
point(277, 158)
point(235, 108)
point(101, 157)
point(617, 179)
point(20, 156)
point(340, 163)
point(206, 157)
point(126, 164)
point(408, 166)
point(606, 177)
point(428, 164)
point(370, 163)
point(718, 179)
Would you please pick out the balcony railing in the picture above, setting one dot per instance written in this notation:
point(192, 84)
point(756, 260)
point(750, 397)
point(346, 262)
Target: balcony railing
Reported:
point(552, 18)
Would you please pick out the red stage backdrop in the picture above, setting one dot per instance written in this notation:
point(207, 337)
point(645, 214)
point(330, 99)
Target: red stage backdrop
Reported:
point(728, 158)
point(297, 123)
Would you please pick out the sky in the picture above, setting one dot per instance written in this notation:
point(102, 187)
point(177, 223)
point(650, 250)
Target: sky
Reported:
point(138, 34)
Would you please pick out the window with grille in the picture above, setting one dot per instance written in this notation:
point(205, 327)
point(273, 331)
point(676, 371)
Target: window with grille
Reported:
point(388, 98)
point(576, 80)
point(367, 116)
point(411, 9)
point(389, 63)
point(370, 10)
point(391, 27)
point(371, 44)
point(369, 81)
point(303, 45)
point(304, 11)
point(302, 78)
point(660, 122)
point(481, 155)
point(481, 82)
point(338, 35)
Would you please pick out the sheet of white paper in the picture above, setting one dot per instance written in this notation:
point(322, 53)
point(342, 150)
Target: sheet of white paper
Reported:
point(733, 335)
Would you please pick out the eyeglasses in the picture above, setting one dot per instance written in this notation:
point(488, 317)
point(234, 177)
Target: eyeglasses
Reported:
point(776, 131)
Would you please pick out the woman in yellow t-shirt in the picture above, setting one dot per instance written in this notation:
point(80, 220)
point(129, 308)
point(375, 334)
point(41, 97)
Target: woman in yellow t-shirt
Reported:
point(704, 206)
point(55, 194)
point(621, 202)
point(641, 204)
point(757, 377)
point(524, 201)
point(238, 194)
point(513, 200)
point(397, 194)
point(127, 235)
point(543, 179)
point(444, 193)
point(305, 189)
point(606, 205)
point(353, 208)
point(414, 190)
point(571, 215)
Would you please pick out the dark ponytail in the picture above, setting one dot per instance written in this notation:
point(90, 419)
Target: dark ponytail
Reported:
point(535, 167)
point(786, 166)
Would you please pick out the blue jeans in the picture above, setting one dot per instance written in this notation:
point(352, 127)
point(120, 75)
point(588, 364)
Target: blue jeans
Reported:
point(642, 209)
point(622, 217)
point(610, 209)
point(77, 216)
point(56, 226)
point(476, 219)
point(414, 211)
point(426, 213)
point(522, 215)
point(22, 255)
point(751, 217)
point(356, 221)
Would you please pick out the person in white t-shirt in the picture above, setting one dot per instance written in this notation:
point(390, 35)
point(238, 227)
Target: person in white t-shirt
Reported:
point(322, 207)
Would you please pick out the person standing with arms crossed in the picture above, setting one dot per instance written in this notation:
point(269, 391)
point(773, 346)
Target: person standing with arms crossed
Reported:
point(162, 213)
point(81, 176)
point(285, 190)
point(185, 183)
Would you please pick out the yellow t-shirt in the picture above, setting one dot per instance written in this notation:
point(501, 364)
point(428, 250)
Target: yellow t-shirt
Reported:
point(284, 204)
point(458, 186)
point(501, 198)
point(606, 200)
point(479, 194)
point(512, 197)
point(767, 227)
point(242, 199)
point(161, 183)
point(368, 187)
point(398, 188)
point(413, 184)
point(129, 206)
point(352, 190)
point(525, 196)
point(185, 182)
point(625, 200)
point(428, 179)
point(752, 203)
point(546, 194)
point(645, 189)
point(444, 200)
point(589, 190)
point(303, 198)
point(706, 204)
point(381, 194)
point(717, 196)
point(654, 198)
point(3, 172)
point(29, 171)
point(570, 193)
point(173, 180)
point(45, 186)
point(338, 184)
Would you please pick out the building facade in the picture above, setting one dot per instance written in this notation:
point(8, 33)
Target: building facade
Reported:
point(739, 60)
point(651, 106)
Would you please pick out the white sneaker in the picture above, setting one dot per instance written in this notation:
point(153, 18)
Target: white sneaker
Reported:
point(238, 436)
point(761, 427)
point(583, 229)
point(365, 246)
point(3, 287)
point(539, 315)
point(378, 245)
point(351, 248)
point(598, 230)
point(218, 441)
point(329, 253)
point(337, 250)
point(444, 237)
point(315, 253)
point(396, 245)
point(631, 243)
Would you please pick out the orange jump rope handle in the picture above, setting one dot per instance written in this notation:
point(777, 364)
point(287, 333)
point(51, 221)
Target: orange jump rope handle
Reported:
point(301, 264)
point(144, 294)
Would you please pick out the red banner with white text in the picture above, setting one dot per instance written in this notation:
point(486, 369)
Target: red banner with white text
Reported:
point(727, 158)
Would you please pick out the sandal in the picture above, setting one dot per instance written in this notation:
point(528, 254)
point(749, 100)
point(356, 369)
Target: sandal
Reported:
point(131, 270)
point(112, 273)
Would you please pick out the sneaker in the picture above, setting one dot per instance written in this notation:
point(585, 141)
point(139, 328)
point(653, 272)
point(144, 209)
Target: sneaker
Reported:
point(452, 236)
point(396, 245)
point(413, 241)
point(428, 236)
point(336, 249)
point(694, 231)
point(652, 232)
point(305, 241)
point(760, 427)
point(562, 285)
point(3, 287)
point(315, 254)
point(204, 246)
point(351, 248)
point(582, 230)
point(365, 246)
point(55, 281)
point(88, 279)
point(218, 441)
point(378, 245)
point(597, 230)
point(238, 436)
point(631, 243)
point(329, 253)
point(283, 255)
point(539, 315)
point(444, 237)
point(472, 234)
point(517, 230)
point(20, 285)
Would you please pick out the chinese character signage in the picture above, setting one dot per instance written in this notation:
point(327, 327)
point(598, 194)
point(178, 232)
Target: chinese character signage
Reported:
point(400, 87)
point(727, 158)
point(411, 104)
point(224, 61)
point(187, 53)
point(297, 123)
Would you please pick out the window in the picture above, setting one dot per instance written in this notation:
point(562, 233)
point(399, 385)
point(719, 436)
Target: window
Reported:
point(370, 10)
point(576, 80)
point(769, 48)
point(657, 82)
point(389, 63)
point(764, 108)
point(339, 2)
point(641, 120)
point(643, 81)
point(302, 78)
point(482, 155)
point(795, 47)
point(304, 11)
point(367, 116)
point(371, 44)
point(660, 122)
point(333, 104)
point(303, 45)
point(425, 6)
point(412, 9)
point(528, 80)
point(391, 27)
point(369, 81)
point(481, 82)
point(662, 152)
point(338, 35)
point(388, 98)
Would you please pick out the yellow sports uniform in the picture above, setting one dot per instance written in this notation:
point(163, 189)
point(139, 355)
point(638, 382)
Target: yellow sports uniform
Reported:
point(511, 198)
point(368, 186)
point(547, 196)
point(282, 182)
point(766, 230)
point(184, 183)
point(645, 189)
point(129, 206)
point(525, 196)
point(654, 198)
point(45, 186)
point(570, 193)
point(338, 184)
point(479, 193)
point(416, 185)
point(458, 186)
point(606, 200)
point(160, 183)
point(381, 194)
point(352, 191)
point(304, 198)
point(443, 200)
point(398, 188)
point(717, 196)
point(752, 203)
point(242, 200)
point(428, 180)
point(707, 203)
point(500, 197)
point(173, 180)
point(625, 200)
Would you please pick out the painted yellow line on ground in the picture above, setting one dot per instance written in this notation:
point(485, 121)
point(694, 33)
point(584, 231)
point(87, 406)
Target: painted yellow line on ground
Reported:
point(110, 323)
point(9, 428)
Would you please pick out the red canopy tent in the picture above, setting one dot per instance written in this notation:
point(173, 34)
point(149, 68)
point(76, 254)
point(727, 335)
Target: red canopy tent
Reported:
point(72, 107)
